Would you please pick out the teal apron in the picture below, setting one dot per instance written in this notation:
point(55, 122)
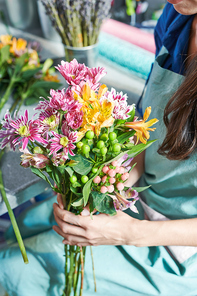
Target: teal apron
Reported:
point(122, 270)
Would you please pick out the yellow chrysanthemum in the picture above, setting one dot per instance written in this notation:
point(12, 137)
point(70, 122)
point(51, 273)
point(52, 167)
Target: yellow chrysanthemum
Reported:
point(141, 127)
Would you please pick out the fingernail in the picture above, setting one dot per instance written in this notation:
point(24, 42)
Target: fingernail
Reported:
point(85, 212)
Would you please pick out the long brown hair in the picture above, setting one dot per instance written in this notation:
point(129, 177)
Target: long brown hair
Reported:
point(180, 118)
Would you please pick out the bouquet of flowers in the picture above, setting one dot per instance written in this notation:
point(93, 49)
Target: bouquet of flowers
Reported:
point(21, 73)
point(77, 22)
point(82, 144)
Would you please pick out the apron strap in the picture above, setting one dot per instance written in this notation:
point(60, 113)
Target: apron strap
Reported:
point(160, 59)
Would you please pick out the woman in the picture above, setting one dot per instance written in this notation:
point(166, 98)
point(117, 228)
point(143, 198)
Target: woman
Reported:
point(169, 166)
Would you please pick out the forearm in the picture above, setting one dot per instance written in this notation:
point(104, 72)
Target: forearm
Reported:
point(166, 233)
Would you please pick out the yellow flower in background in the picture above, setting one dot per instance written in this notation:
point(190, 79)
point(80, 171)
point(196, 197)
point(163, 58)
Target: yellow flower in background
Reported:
point(141, 127)
point(18, 47)
point(49, 77)
point(5, 40)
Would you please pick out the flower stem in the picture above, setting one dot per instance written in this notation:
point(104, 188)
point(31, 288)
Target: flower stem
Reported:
point(82, 270)
point(7, 93)
point(93, 269)
point(13, 220)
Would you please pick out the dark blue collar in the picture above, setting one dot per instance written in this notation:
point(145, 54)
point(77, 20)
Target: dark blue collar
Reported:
point(173, 31)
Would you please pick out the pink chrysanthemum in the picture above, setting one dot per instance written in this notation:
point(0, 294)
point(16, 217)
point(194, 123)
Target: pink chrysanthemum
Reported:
point(74, 119)
point(44, 105)
point(121, 108)
point(73, 72)
point(49, 121)
point(64, 141)
point(61, 100)
point(23, 131)
point(94, 75)
point(7, 133)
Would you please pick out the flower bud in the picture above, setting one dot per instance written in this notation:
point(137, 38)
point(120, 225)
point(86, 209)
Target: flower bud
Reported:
point(103, 189)
point(97, 180)
point(104, 179)
point(125, 176)
point(110, 188)
point(105, 169)
point(112, 173)
point(120, 186)
point(121, 170)
point(114, 163)
point(112, 180)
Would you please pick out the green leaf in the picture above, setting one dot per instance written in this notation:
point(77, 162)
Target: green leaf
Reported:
point(132, 115)
point(30, 73)
point(97, 198)
point(47, 64)
point(106, 206)
point(20, 62)
point(124, 137)
point(137, 149)
point(41, 175)
point(54, 174)
point(45, 84)
point(76, 184)
point(30, 101)
point(4, 54)
point(140, 189)
point(78, 203)
point(84, 166)
point(88, 186)
point(75, 191)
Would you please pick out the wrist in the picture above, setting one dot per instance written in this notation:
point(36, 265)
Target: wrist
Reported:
point(145, 233)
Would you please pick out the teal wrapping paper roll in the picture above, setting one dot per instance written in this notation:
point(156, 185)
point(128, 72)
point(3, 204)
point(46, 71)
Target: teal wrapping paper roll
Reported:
point(135, 59)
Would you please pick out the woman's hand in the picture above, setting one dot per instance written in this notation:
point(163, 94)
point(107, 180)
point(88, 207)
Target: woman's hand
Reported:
point(102, 229)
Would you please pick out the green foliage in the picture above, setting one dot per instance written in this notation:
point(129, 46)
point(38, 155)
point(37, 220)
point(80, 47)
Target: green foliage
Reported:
point(102, 203)
point(84, 166)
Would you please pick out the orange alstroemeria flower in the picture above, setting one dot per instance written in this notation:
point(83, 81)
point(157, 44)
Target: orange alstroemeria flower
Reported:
point(141, 127)
point(88, 96)
point(18, 46)
point(5, 40)
point(96, 117)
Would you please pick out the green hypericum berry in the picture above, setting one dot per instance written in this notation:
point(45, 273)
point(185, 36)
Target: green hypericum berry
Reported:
point(112, 136)
point(79, 145)
point(84, 179)
point(116, 147)
point(73, 179)
point(103, 151)
point(90, 135)
point(85, 149)
point(94, 170)
point(100, 144)
point(104, 137)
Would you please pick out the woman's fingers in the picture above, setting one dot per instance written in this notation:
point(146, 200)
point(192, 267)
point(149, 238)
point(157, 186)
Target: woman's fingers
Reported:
point(66, 216)
point(67, 228)
point(60, 201)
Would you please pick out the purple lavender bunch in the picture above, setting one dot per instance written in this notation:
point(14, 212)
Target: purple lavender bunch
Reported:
point(77, 22)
